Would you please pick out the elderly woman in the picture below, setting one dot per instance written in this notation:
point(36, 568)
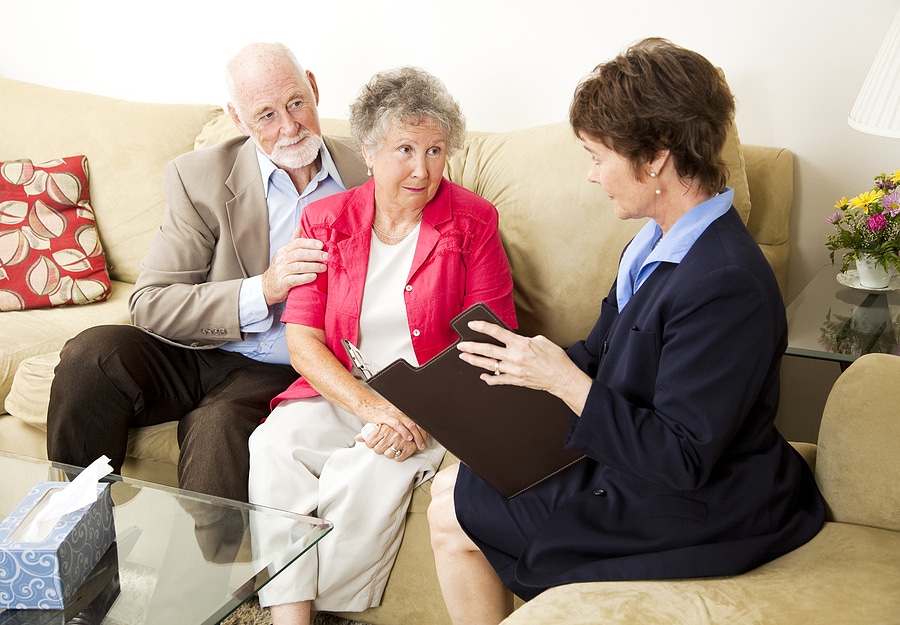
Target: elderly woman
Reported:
point(407, 252)
point(674, 392)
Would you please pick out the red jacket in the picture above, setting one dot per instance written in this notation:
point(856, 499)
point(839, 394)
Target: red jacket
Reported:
point(459, 261)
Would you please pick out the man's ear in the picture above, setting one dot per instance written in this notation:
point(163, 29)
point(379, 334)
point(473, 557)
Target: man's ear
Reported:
point(312, 83)
point(232, 112)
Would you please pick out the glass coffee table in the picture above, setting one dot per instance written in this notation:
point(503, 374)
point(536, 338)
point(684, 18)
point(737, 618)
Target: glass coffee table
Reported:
point(835, 319)
point(179, 557)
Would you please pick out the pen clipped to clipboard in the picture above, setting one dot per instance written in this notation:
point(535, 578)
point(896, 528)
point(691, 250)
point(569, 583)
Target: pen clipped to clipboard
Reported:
point(361, 369)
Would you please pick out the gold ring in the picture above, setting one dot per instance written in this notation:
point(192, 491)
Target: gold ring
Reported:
point(496, 367)
point(396, 451)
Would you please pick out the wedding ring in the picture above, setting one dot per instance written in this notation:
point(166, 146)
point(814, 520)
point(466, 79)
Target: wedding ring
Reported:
point(396, 451)
point(496, 367)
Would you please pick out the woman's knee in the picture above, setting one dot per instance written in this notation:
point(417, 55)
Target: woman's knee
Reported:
point(264, 441)
point(441, 510)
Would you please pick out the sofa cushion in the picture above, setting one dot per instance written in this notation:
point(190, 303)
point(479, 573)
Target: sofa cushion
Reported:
point(50, 251)
point(27, 333)
point(127, 143)
point(845, 574)
point(554, 223)
point(857, 464)
point(29, 394)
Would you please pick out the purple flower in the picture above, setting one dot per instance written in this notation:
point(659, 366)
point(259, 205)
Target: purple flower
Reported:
point(876, 222)
point(838, 215)
point(891, 203)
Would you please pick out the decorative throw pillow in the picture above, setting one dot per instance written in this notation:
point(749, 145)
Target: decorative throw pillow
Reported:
point(50, 252)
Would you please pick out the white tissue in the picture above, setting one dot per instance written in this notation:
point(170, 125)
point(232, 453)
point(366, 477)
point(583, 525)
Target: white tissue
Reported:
point(82, 491)
point(367, 430)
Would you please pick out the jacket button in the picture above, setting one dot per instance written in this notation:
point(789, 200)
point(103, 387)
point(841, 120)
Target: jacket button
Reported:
point(600, 492)
point(416, 333)
point(409, 287)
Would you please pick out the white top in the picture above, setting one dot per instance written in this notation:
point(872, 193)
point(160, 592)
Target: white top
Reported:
point(383, 325)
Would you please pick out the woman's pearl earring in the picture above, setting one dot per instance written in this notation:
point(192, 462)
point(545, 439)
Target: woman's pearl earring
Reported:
point(369, 171)
point(653, 175)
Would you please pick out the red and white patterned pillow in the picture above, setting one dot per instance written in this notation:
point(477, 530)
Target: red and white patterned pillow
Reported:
point(50, 251)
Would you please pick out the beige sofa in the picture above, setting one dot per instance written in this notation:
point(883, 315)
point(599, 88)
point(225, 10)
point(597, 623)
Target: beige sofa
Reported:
point(559, 231)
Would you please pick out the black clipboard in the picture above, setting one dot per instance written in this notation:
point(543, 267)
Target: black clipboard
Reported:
point(510, 436)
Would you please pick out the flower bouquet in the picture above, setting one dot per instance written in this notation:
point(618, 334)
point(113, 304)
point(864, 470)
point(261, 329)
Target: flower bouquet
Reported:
point(869, 224)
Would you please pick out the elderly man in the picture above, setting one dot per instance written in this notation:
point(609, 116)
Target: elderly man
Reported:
point(207, 347)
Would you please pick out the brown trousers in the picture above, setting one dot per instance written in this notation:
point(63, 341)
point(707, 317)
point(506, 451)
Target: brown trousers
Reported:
point(112, 378)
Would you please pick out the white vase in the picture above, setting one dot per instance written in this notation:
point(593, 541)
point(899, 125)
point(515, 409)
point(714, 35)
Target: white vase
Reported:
point(871, 274)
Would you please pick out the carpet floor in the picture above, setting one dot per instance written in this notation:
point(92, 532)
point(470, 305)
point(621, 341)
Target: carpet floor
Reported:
point(252, 614)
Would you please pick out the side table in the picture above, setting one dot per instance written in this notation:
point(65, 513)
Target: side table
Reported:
point(839, 322)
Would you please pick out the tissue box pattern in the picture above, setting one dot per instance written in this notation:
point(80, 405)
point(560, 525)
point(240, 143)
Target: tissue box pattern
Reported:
point(43, 575)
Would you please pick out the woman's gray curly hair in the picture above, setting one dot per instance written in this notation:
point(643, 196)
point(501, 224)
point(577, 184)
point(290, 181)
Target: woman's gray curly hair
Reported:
point(404, 95)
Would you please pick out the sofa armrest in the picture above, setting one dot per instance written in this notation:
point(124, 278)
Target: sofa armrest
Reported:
point(808, 451)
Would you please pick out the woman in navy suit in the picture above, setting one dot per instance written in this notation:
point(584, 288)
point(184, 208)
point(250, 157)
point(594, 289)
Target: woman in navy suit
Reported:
point(674, 392)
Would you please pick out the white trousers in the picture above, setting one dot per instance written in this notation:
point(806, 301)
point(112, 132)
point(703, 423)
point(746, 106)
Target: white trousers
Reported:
point(304, 458)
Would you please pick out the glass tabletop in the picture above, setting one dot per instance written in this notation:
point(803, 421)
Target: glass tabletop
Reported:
point(833, 318)
point(179, 557)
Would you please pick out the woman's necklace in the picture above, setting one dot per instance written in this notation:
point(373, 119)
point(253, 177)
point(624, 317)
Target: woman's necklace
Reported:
point(395, 237)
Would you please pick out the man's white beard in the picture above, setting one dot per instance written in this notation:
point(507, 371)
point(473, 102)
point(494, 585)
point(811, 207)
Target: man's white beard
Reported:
point(284, 155)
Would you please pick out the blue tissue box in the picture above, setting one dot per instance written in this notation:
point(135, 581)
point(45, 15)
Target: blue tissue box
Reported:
point(44, 574)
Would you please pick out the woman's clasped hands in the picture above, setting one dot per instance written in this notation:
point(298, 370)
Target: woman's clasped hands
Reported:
point(392, 434)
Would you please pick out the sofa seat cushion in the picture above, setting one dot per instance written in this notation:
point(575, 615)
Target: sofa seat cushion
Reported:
point(50, 251)
point(846, 574)
point(27, 333)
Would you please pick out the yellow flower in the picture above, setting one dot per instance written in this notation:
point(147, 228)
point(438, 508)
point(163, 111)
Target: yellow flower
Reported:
point(895, 177)
point(864, 199)
point(841, 203)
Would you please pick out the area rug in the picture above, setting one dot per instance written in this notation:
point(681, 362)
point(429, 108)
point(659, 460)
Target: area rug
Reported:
point(252, 614)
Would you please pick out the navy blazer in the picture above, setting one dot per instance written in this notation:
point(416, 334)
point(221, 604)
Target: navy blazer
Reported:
point(686, 474)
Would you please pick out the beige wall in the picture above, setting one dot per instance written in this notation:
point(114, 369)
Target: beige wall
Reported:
point(794, 65)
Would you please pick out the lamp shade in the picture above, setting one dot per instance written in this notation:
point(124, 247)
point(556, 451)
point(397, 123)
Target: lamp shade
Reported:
point(877, 108)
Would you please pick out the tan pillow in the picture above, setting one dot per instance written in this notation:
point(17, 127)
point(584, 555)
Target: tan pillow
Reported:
point(218, 129)
point(559, 230)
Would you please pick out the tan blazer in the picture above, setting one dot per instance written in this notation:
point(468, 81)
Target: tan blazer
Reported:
point(215, 233)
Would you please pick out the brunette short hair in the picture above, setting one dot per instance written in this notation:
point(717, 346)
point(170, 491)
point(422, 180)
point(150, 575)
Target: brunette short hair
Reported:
point(657, 96)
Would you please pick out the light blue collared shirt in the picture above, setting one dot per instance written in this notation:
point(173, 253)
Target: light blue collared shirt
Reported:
point(649, 247)
point(265, 340)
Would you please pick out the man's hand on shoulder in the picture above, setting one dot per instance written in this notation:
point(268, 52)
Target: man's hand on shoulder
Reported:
point(296, 263)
